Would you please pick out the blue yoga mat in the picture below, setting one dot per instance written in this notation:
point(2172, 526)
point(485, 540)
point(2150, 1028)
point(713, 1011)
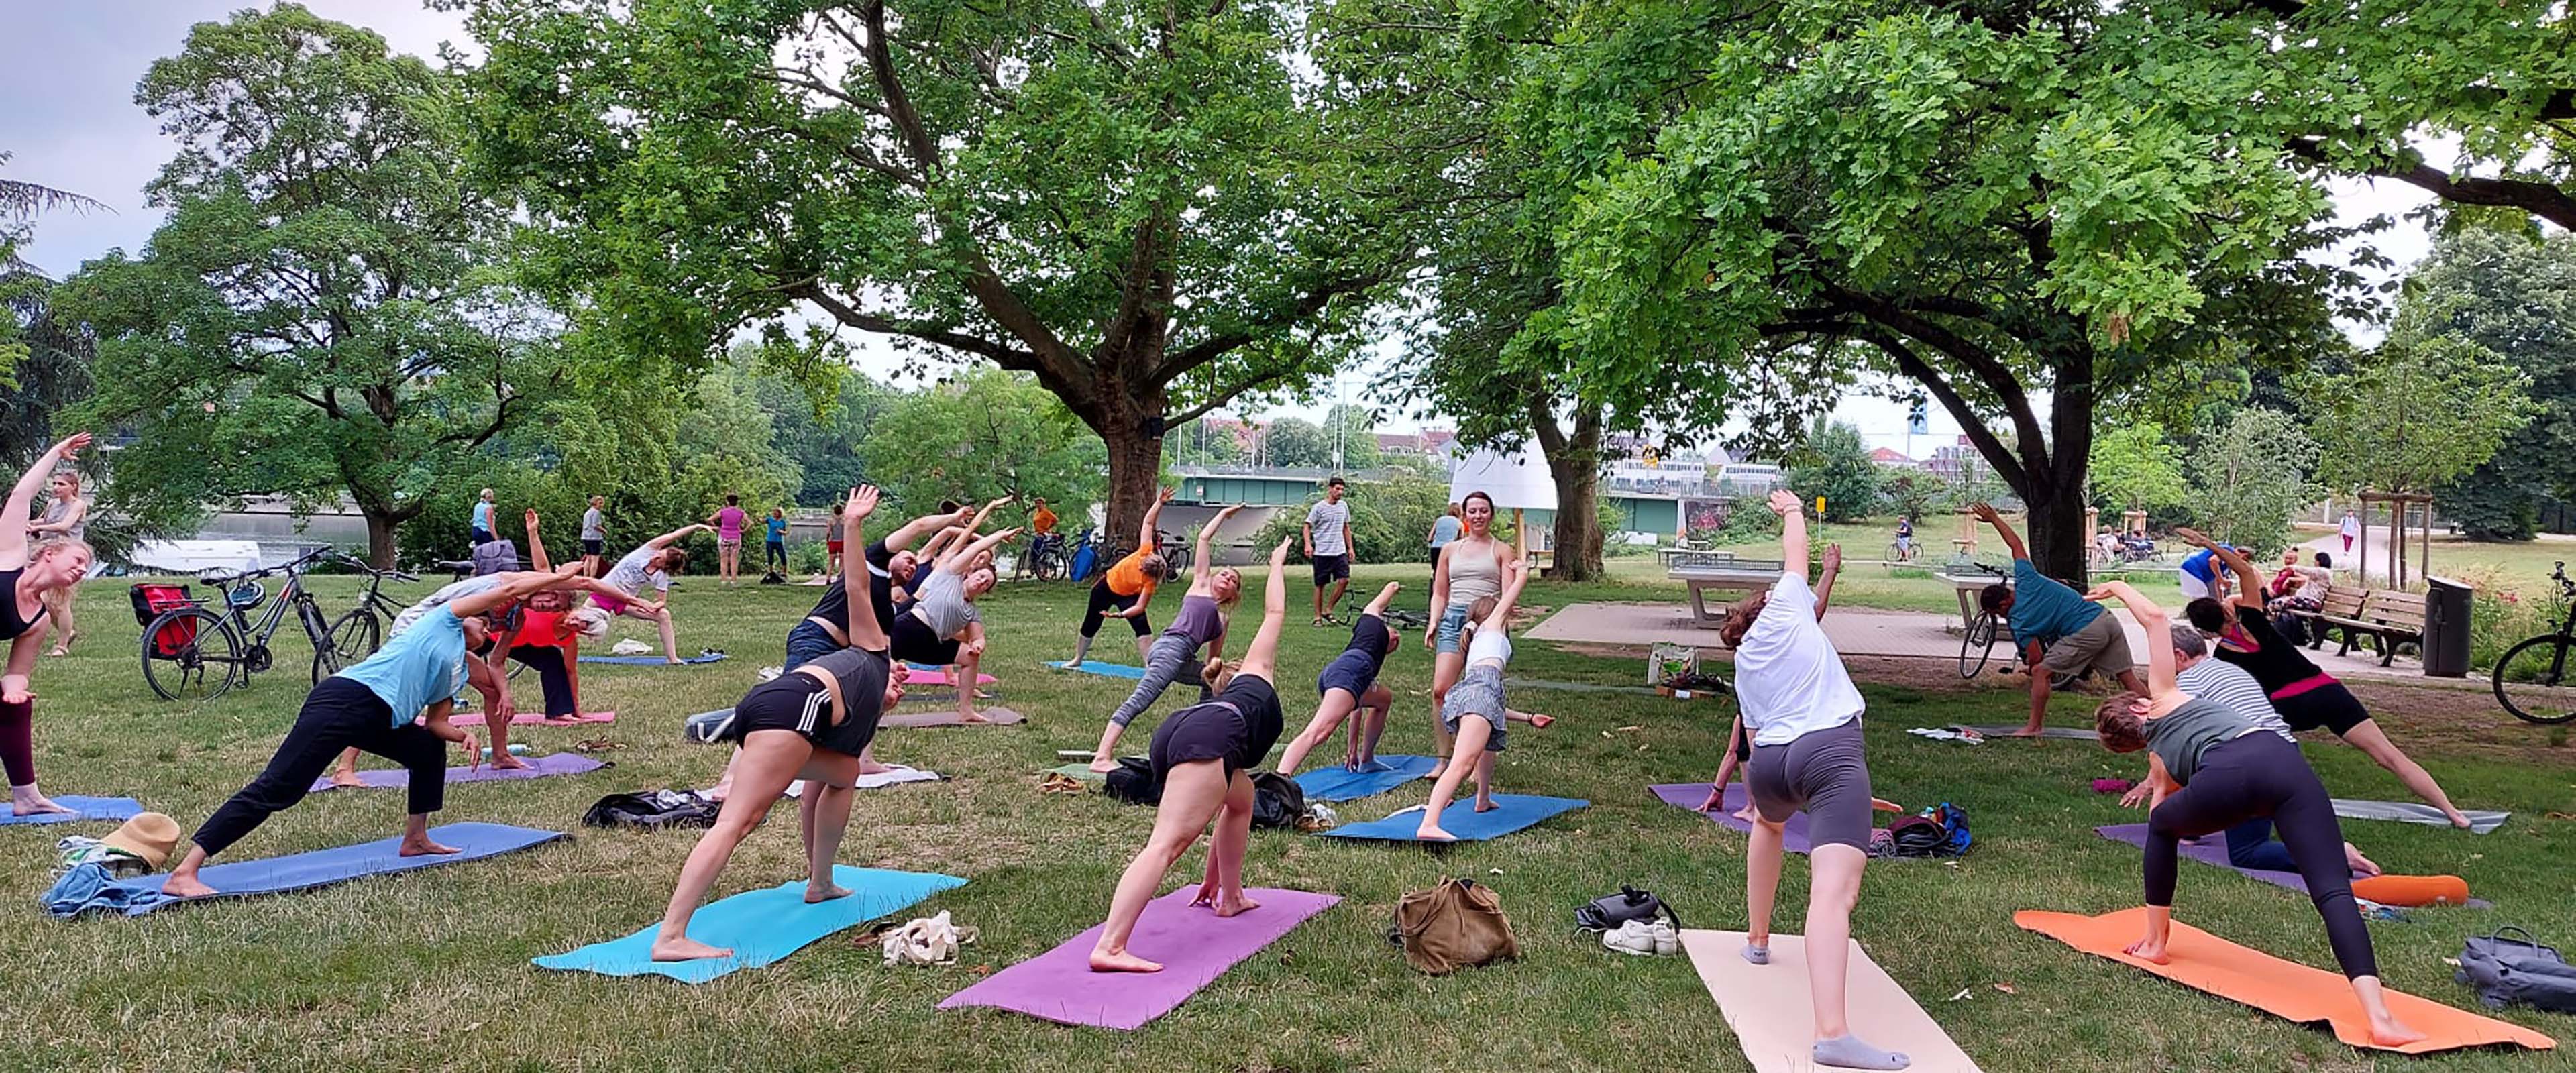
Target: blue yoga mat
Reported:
point(1511, 813)
point(652, 661)
point(83, 808)
point(1105, 670)
point(323, 867)
point(1334, 783)
point(762, 926)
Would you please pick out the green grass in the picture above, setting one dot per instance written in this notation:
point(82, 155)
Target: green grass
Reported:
point(429, 970)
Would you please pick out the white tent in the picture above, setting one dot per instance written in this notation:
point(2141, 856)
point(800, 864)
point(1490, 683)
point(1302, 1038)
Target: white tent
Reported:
point(1517, 480)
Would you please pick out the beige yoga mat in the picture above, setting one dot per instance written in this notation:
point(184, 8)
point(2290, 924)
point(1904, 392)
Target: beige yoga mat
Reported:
point(947, 717)
point(1767, 1006)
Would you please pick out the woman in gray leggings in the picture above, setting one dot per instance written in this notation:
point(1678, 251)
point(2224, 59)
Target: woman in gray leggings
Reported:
point(1201, 622)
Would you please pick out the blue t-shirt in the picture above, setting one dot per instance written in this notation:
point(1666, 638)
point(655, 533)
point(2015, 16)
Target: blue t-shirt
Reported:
point(418, 667)
point(1443, 530)
point(778, 529)
point(483, 516)
point(2044, 609)
point(2202, 564)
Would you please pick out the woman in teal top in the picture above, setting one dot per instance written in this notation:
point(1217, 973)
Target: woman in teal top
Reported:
point(776, 545)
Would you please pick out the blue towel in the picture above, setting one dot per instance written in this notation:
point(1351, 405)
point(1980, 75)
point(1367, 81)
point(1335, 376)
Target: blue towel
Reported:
point(1511, 813)
point(652, 661)
point(1333, 783)
point(762, 926)
point(1105, 670)
point(321, 867)
point(83, 808)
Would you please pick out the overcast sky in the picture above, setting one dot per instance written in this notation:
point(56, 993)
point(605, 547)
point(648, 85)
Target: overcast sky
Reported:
point(68, 77)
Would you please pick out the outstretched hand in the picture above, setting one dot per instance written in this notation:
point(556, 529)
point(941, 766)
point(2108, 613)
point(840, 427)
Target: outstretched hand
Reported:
point(71, 445)
point(1229, 510)
point(2100, 592)
point(862, 502)
point(2190, 536)
point(1165, 496)
point(532, 517)
point(1833, 558)
point(1984, 511)
point(1278, 555)
point(1784, 502)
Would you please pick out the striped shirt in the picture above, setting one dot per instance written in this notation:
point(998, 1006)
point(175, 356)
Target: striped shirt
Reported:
point(2227, 684)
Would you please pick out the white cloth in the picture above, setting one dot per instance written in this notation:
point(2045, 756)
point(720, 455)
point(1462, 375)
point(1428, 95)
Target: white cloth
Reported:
point(1789, 680)
point(2351, 525)
point(2193, 587)
point(2221, 682)
point(1493, 646)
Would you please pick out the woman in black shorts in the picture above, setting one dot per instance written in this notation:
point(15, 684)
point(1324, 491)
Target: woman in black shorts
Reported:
point(1200, 755)
point(810, 723)
point(1349, 683)
point(2306, 697)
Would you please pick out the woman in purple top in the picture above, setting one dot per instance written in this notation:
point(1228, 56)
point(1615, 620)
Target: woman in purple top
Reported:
point(1201, 622)
point(728, 523)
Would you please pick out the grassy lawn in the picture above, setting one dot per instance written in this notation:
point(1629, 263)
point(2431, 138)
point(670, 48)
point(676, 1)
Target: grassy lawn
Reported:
point(430, 970)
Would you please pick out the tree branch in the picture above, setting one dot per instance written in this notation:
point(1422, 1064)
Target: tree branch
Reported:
point(2539, 199)
point(1226, 396)
point(811, 290)
point(1971, 423)
point(1216, 346)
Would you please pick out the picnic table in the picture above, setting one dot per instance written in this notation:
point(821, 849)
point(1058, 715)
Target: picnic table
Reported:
point(1720, 570)
point(1968, 583)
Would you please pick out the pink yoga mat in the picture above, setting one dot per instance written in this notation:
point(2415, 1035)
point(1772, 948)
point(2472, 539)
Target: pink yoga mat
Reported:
point(942, 678)
point(541, 767)
point(470, 720)
point(1193, 943)
point(1688, 795)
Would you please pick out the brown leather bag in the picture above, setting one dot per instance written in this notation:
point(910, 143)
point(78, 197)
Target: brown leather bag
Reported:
point(1456, 924)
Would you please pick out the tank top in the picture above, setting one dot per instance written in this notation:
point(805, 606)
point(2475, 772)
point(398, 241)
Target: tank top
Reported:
point(1198, 621)
point(11, 625)
point(2189, 732)
point(1489, 646)
point(1472, 574)
point(58, 509)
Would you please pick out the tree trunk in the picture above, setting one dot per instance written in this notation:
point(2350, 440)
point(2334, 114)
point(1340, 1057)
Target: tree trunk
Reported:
point(380, 538)
point(2056, 533)
point(1574, 463)
point(1135, 476)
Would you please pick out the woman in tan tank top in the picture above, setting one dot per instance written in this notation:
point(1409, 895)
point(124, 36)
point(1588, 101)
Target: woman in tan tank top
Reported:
point(1469, 569)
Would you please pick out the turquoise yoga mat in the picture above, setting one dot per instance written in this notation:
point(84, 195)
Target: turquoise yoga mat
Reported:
point(1105, 670)
point(1512, 812)
point(762, 926)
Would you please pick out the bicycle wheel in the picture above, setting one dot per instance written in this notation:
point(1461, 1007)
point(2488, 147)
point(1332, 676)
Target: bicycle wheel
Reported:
point(344, 643)
point(2536, 681)
point(1975, 645)
point(190, 653)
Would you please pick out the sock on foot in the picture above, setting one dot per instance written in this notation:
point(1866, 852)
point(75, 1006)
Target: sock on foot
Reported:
point(1849, 1052)
point(1759, 955)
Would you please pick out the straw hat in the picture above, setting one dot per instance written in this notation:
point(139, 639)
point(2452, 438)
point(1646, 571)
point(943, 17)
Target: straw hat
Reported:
point(149, 835)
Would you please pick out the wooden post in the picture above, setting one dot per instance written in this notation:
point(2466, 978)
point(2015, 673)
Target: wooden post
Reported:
point(2092, 527)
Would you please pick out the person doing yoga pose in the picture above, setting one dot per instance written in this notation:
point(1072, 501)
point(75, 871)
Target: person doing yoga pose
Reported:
point(31, 574)
point(1467, 569)
point(1126, 590)
point(2061, 633)
point(1739, 748)
point(2306, 697)
point(1200, 756)
point(66, 517)
point(1800, 706)
point(810, 723)
point(942, 627)
point(2211, 768)
point(2249, 844)
point(652, 565)
point(1213, 592)
point(1474, 713)
point(394, 704)
point(1349, 683)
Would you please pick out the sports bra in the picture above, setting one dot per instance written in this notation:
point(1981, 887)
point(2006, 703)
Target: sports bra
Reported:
point(13, 627)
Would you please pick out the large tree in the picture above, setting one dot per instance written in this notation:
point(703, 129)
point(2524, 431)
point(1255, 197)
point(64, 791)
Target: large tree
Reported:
point(1149, 208)
point(2515, 295)
point(317, 317)
point(2030, 211)
point(44, 366)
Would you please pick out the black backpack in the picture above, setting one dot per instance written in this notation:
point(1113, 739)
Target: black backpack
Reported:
point(652, 810)
point(2506, 971)
point(1277, 800)
point(1133, 782)
point(1611, 910)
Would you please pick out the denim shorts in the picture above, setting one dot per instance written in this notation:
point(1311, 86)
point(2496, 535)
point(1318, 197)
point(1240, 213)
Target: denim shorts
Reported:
point(1453, 621)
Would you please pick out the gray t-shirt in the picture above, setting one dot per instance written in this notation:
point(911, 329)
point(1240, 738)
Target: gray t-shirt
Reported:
point(632, 573)
point(59, 509)
point(2228, 684)
point(594, 525)
point(942, 604)
point(1332, 525)
point(2184, 734)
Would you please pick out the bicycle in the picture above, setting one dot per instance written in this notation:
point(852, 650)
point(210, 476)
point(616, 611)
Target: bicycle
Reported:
point(191, 651)
point(357, 634)
point(1046, 558)
point(1903, 553)
point(2533, 680)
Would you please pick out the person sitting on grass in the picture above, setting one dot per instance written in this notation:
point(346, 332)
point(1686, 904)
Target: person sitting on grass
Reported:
point(2211, 768)
point(1474, 713)
point(1739, 746)
point(1201, 756)
point(1798, 703)
point(810, 723)
point(2307, 698)
point(2061, 633)
point(1348, 684)
point(394, 704)
point(1126, 590)
point(1201, 623)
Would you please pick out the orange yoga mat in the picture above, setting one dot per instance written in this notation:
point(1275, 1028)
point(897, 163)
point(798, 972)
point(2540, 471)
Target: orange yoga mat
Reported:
point(2284, 989)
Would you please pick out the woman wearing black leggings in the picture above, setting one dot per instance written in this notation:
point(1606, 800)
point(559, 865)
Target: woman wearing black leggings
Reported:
point(2211, 768)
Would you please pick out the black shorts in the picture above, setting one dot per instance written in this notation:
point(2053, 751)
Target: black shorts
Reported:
point(797, 702)
point(2330, 706)
point(912, 640)
point(1332, 568)
point(1353, 672)
point(594, 547)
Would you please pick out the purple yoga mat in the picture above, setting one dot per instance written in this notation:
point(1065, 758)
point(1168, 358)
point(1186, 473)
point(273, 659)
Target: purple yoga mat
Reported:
point(556, 764)
point(1193, 943)
point(2212, 850)
point(1688, 795)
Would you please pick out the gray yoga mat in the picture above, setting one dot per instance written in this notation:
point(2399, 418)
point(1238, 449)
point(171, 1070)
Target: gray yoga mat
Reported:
point(2416, 812)
point(2060, 733)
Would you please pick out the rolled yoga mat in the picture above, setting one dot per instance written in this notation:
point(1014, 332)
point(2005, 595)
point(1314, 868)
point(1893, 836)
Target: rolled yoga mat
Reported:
point(1512, 812)
point(541, 767)
point(2058, 733)
point(2285, 989)
point(1194, 944)
point(1334, 782)
point(82, 808)
point(760, 926)
point(652, 661)
point(323, 867)
point(1105, 670)
point(1775, 1022)
point(2212, 850)
point(1687, 796)
point(2480, 822)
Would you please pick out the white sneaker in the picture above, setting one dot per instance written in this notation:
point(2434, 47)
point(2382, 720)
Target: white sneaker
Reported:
point(1668, 942)
point(1632, 937)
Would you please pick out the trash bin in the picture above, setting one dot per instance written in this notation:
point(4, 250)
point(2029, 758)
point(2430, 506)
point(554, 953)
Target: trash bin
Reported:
point(2446, 628)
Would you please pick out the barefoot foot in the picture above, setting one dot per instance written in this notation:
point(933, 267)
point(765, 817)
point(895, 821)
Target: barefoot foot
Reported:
point(1104, 765)
point(188, 886)
point(1484, 804)
point(423, 847)
point(2353, 859)
point(2151, 951)
point(1235, 906)
point(505, 761)
point(871, 767)
point(346, 777)
point(1430, 833)
point(684, 948)
point(1121, 961)
point(815, 895)
point(2392, 1033)
point(31, 803)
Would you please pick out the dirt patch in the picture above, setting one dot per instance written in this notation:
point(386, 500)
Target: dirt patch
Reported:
point(2456, 722)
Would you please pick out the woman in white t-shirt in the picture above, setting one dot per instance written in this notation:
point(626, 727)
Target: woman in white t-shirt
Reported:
point(1803, 713)
point(652, 565)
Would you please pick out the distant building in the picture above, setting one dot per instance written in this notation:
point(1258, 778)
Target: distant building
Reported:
point(1438, 443)
point(1889, 458)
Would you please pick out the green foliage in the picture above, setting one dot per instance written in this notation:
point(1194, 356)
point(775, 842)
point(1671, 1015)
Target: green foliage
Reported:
point(2252, 478)
point(2516, 296)
point(1355, 427)
point(1390, 519)
point(1914, 493)
point(1296, 443)
point(2135, 468)
point(1835, 464)
point(825, 441)
point(981, 435)
point(2424, 410)
point(2497, 500)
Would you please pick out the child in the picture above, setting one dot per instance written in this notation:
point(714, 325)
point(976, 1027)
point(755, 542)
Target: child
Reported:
point(1474, 711)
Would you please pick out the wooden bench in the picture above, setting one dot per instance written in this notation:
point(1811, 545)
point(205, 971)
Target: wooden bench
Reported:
point(2388, 617)
point(2343, 603)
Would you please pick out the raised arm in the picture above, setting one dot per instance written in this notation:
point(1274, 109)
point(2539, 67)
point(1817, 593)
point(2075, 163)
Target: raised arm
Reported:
point(863, 629)
point(1153, 513)
point(1793, 532)
point(905, 535)
point(1263, 657)
point(955, 562)
point(1825, 585)
point(2249, 585)
point(521, 584)
point(1205, 554)
point(667, 539)
point(536, 544)
point(1515, 578)
point(1986, 513)
point(2152, 619)
point(22, 498)
point(1384, 596)
point(936, 547)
